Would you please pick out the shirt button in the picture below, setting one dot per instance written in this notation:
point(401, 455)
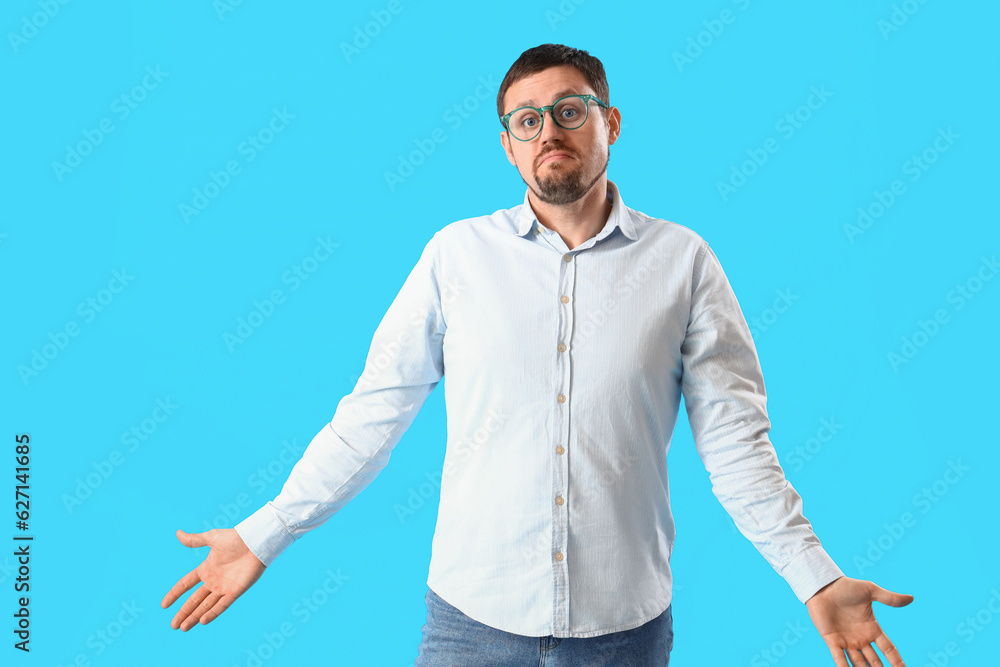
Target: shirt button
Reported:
point(564, 299)
point(562, 398)
point(559, 555)
point(562, 347)
point(560, 449)
point(568, 257)
point(559, 500)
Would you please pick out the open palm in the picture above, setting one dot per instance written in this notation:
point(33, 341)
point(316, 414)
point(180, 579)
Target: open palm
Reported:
point(842, 613)
point(226, 573)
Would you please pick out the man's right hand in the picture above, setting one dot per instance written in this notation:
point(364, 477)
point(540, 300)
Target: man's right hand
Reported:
point(229, 569)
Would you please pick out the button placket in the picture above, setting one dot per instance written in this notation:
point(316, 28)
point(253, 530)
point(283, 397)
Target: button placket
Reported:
point(560, 468)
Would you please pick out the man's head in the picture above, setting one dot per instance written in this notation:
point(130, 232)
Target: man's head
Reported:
point(539, 77)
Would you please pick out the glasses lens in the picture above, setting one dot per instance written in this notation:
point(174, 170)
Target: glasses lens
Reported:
point(524, 123)
point(571, 112)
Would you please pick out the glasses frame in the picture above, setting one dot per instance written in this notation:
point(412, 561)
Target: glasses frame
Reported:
point(505, 119)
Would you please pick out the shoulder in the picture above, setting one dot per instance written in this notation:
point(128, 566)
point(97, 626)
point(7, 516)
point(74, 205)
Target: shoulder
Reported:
point(478, 228)
point(662, 233)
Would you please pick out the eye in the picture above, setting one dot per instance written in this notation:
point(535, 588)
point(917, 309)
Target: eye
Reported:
point(527, 121)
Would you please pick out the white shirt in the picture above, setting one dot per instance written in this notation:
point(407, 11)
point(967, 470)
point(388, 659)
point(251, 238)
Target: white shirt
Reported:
point(565, 369)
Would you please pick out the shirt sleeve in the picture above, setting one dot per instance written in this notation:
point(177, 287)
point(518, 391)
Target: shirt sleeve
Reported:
point(404, 364)
point(724, 395)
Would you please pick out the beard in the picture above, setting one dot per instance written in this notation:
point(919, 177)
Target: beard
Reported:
point(566, 185)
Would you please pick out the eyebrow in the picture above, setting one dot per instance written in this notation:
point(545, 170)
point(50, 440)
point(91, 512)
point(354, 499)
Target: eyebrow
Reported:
point(531, 103)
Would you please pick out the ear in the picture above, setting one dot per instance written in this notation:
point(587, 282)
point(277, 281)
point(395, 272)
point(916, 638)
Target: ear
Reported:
point(614, 125)
point(505, 141)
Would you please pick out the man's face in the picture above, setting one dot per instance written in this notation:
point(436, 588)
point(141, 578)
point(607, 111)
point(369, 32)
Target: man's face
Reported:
point(560, 181)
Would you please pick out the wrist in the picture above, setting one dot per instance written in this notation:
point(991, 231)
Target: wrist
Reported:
point(824, 590)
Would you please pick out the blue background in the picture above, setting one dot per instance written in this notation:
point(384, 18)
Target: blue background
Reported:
point(855, 298)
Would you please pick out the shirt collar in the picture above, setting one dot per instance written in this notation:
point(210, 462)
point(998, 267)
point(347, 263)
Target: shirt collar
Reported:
point(619, 217)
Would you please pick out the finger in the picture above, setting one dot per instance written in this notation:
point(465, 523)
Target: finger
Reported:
point(193, 540)
point(838, 655)
point(871, 656)
point(890, 598)
point(183, 584)
point(889, 650)
point(857, 660)
point(189, 606)
point(219, 607)
point(196, 615)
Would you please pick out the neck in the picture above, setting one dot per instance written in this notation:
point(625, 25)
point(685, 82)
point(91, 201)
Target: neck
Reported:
point(580, 220)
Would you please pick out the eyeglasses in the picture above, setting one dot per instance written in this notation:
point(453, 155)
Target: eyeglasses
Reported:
point(569, 112)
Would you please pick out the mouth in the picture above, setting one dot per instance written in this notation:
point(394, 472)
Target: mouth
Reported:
point(555, 156)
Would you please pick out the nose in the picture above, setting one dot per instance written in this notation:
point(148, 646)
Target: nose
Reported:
point(549, 127)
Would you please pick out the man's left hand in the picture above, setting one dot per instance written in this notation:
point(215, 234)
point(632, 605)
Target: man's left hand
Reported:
point(842, 612)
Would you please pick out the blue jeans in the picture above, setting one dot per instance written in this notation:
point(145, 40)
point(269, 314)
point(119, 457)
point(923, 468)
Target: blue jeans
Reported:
point(452, 639)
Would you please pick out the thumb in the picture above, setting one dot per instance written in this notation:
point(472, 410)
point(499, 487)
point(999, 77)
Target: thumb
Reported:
point(890, 598)
point(193, 539)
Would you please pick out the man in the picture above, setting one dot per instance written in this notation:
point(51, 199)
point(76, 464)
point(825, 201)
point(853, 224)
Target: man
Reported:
point(570, 327)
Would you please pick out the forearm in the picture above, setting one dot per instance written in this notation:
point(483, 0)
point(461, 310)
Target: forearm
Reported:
point(328, 476)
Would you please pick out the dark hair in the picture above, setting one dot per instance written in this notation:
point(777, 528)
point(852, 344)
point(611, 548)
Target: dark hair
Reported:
point(542, 57)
